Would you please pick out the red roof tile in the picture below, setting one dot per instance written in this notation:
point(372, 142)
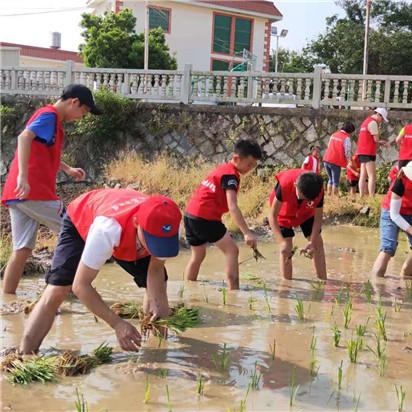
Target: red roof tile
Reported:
point(44, 52)
point(256, 6)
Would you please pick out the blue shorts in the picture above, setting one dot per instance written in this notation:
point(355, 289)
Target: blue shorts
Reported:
point(333, 172)
point(389, 232)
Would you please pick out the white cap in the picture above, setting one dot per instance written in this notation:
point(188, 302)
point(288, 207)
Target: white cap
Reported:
point(383, 112)
point(407, 170)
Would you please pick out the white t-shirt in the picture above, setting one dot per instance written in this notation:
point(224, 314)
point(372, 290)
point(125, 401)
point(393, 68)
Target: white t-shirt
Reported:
point(314, 164)
point(104, 235)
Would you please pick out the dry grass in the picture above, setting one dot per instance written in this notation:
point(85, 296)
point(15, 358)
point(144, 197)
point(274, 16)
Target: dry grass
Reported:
point(164, 175)
point(6, 249)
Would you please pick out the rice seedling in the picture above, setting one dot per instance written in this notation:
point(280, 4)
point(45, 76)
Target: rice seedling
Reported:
point(103, 353)
point(401, 395)
point(356, 406)
point(147, 391)
point(205, 297)
point(313, 342)
point(380, 354)
point(380, 322)
point(318, 287)
point(255, 378)
point(80, 404)
point(244, 400)
point(313, 367)
point(353, 349)
point(224, 295)
point(300, 309)
point(181, 291)
point(169, 405)
point(361, 329)
point(342, 296)
point(162, 372)
point(367, 290)
point(293, 388)
point(292, 252)
point(273, 349)
point(267, 298)
point(251, 301)
point(340, 375)
point(408, 286)
point(37, 369)
point(221, 359)
point(128, 310)
point(200, 384)
point(71, 364)
point(336, 335)
point(397, 305)
point(347, 313)
point(250, 277)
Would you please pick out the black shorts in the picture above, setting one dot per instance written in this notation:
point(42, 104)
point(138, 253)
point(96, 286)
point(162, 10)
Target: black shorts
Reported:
point(366, 158)
point(403, 163)
point(200, 231)
point(353, 183)
point(67, 256)
point(306, 227)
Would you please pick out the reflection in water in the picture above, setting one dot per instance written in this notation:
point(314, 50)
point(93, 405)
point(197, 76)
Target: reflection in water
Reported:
point(244, 330)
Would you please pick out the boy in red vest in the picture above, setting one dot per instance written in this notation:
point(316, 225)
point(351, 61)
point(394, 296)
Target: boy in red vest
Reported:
point(404, 140)
point(139, 231)
point(337, 155)
point(216, 195)
point(396, 213)
point(297, 200)
point(352, 174)
point(312, 162)
point(369, 137)
point(30, 187)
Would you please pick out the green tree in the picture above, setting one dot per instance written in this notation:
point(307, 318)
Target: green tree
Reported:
point(111, 41)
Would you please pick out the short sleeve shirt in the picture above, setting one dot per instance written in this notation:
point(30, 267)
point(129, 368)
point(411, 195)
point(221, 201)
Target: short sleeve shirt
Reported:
point(398, 187)
point(373, 128)
point(230, 182)
point(44, 127)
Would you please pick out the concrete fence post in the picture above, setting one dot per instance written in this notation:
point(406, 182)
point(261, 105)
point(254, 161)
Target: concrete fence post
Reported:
point(317, 87)
point(69, 72)
point(387, 93)
point(186, 86)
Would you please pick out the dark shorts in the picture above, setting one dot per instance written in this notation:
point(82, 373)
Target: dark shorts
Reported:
point(366, 158)
point(353, 183)
point(200, 231)
point(403, 163)
point(67, 256)
point(306, 227)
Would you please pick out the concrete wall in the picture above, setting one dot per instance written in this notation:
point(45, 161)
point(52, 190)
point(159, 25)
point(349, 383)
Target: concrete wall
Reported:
point(190, 132)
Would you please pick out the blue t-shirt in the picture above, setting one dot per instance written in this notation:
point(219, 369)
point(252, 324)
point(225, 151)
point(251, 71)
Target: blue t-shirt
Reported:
point(44, 127)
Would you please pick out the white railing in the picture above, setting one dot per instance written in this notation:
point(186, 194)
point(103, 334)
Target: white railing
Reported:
point(317, 89)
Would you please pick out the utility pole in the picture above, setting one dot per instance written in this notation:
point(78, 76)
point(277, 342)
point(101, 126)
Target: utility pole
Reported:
point(146, 35)
point(365, 49)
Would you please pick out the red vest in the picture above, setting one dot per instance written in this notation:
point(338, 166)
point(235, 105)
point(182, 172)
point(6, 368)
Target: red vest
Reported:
point(292, 213)
point(366, 141)
point(44, 164)
point(393, 173)
point(309, 166)
point(119, 204)
point(209, 199)
point(406, 208)
point(405, 149)
point(335, 153)
point(356, 165)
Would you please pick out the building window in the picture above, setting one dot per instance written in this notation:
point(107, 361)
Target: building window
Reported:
point(231, 34)
point(159, 17)
point(220, 65)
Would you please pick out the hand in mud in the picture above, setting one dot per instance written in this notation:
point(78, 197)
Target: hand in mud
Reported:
point(250, 240)
point(128, 336)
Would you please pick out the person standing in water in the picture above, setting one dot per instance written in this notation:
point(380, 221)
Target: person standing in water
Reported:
point(216, 195)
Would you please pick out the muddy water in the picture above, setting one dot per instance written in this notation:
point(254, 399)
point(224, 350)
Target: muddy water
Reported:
point(248, 324)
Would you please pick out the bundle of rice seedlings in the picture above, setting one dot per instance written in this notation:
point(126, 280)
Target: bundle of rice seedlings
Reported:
point(181, 319)
point(103, 353)
point(8, 359)
point(71, 364)
point(128, 310)
point(38, 369)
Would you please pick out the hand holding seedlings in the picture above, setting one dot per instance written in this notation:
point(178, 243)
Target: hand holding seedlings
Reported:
point(256, 254)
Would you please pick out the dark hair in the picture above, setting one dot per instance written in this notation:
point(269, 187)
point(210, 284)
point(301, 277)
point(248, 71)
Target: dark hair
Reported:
point(348, 127)
point(310, 185)
point(245, 148)
point(314, 146)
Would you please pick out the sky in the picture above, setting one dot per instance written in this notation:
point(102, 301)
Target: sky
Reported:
point(31, 21)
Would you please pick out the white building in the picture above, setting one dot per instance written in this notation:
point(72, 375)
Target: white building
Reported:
point(210, 35)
